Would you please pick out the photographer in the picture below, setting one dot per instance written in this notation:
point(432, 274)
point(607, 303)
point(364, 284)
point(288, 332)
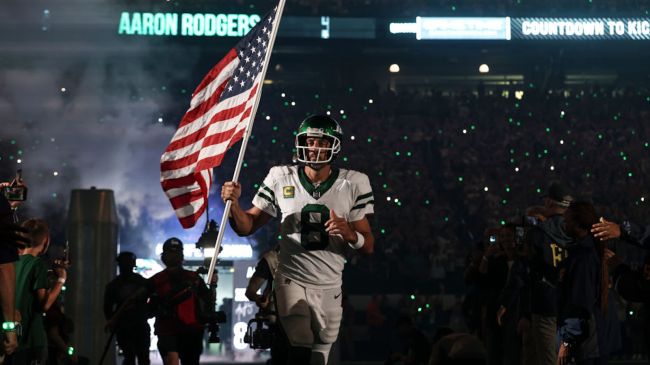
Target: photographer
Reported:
point(265, 273)
point(8, 255)
point(33, 298)
point(10, 241)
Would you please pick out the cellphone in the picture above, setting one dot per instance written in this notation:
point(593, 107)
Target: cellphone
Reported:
point(493, 239)
point(16, 192)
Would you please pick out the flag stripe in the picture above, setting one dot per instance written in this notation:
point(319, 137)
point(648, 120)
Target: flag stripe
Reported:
point(187, 198)
point(183, 196)
point(217, 157)
point(186, 165)
point(189, 209)
point(201, 119)
point(210, 147)
point(228, 119)
point(194, 143)
point(206, 118)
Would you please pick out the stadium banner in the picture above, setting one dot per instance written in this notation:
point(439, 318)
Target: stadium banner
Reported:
point(424, 28)
point(581, 28)
point(463, 28)
point(506, 28)
point(186, 24)
point(237, 25)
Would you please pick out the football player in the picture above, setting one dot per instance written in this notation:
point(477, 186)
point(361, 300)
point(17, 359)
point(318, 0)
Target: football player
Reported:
point(323, 214)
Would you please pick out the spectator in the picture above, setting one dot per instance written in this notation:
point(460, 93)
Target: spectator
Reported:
point(547, 243)
point(583, 292)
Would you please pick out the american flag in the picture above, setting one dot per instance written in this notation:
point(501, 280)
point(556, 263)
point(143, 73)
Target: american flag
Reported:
point(219, 112)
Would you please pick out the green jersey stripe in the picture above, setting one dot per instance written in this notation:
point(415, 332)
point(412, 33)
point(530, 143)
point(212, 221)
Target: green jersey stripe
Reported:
point(363, 205)
point(265, 197)
point(361, 197)
point(268, 190)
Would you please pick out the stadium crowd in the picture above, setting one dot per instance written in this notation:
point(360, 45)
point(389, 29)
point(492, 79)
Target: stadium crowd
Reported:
point(445, 166)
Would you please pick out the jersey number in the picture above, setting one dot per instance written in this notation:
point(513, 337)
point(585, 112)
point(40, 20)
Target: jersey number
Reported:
point(312, 230)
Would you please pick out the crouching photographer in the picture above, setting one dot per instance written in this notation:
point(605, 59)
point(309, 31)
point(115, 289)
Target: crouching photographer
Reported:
point(265, 331)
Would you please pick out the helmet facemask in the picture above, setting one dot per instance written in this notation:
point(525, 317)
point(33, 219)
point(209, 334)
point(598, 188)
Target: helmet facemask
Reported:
point(324, 155)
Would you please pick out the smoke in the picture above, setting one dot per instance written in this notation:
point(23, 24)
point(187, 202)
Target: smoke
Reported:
point(84, 110)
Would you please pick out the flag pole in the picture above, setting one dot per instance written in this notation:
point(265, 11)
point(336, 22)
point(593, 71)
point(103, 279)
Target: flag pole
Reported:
point(244, 143)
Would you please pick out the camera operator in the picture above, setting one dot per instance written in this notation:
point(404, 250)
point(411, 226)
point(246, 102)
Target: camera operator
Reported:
point(176, 297)
point(547, 243)
point(132, 330)
point(265, 273)
point(10, 241)
point(33, 298)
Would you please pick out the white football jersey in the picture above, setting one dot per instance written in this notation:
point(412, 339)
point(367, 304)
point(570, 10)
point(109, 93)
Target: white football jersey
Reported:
point(308, 254)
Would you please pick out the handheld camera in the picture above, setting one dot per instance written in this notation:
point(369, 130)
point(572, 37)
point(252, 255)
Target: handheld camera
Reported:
point(16, 191)
point(259, 334)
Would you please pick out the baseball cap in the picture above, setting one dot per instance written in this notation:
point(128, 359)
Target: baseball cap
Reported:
point(559, 194)
point(173, 245)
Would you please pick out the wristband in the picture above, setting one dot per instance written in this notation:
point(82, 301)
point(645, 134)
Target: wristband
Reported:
point(8, 326)
point(360, 241)
point(12, 327)
point(61, 280)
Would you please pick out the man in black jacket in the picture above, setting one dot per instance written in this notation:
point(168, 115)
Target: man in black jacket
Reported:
point(582, 292)
point(548, 244)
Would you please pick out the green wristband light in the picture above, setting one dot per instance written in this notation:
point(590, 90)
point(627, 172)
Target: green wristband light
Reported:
point(8, 326)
